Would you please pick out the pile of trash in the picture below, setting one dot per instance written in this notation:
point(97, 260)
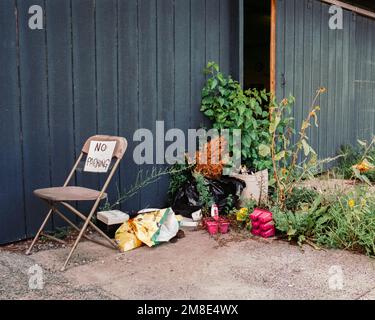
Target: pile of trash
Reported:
point(201, 187)
point(150, 227)
point(187, 200)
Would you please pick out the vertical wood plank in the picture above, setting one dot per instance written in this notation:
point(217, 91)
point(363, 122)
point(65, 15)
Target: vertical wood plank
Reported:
point(300, 6)
point(330, 133)
point(128, 92)
point(165, 84)
point(345, 79)
point(351, 121)
point(212, 30)
point(280, 49)
point(106, 78)
point(84, 78)
point(12, 216)
point(273, 47)
point(35, 130)
point(324, 67)
point(338, 93)
point(212, 27)
point(307, 65)
point(316, 61)
point(182, 65)
point(359, 77)
point(198, 61)
point(148, 69)
point(225, 26)
point(289, 47)
point(60, 93)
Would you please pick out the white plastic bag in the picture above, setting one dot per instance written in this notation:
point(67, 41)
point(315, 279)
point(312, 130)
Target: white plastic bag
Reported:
point(169, 227)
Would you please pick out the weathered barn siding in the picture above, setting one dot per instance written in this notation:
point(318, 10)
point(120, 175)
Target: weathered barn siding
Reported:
point(99, 66)
point(310, 55)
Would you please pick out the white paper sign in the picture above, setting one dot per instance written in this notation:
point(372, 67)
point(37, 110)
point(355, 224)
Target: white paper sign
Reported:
point(100, 156)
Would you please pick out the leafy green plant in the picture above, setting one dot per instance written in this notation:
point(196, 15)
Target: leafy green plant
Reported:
point(350, 156)
point(230, 107)
point(288, 169)
point(230, 204)
point(353, 159)
point(350, 223)
point(205, 196)
point(300, 197)
point(300, 225)
point(333, 221)
point(180, 174)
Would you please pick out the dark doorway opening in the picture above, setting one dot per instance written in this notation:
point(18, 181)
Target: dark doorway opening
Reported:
point(257, 40)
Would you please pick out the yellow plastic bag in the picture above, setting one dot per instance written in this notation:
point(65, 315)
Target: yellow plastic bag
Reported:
point(149, 228)
point(126, 238)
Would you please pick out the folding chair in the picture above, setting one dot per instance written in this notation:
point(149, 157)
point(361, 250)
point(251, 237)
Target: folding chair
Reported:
point(63, 195)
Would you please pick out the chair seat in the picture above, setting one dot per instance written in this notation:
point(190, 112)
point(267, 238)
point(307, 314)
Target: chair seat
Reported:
point(68, 194)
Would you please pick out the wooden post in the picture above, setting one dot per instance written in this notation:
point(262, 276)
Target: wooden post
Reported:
point(241, 42)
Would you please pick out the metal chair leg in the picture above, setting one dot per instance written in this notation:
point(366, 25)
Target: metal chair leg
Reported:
point(80, 215)
point(85, 225)
point(39, 232)
point(78, 229)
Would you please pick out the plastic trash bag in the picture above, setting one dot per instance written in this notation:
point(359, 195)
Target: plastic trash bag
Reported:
point(150, 228)
point(168, 229)
point(126, 238)
point(187, 201)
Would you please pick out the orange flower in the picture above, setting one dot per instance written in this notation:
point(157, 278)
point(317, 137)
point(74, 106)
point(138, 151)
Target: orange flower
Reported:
point(322, 90)
point(209, 159)
point(364, 166)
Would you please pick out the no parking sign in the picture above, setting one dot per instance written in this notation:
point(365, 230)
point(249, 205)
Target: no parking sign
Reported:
point(100, 156)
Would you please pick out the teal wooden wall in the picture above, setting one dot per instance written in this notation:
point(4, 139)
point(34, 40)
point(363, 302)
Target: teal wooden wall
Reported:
point(98, 66)
point(310, 55)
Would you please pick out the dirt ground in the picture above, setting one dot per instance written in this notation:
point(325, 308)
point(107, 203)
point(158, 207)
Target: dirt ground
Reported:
point(196, 267)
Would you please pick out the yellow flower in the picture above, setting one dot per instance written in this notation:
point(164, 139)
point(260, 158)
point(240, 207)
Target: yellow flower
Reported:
point(351, 203)
point(242, 214)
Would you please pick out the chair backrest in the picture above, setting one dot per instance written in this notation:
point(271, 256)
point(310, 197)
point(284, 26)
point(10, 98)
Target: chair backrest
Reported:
point(120, 148)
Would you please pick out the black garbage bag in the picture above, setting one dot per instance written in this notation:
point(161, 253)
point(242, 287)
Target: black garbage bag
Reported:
point(187, 200)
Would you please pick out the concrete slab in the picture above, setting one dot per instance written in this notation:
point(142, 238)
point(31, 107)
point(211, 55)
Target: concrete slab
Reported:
point(196, 267)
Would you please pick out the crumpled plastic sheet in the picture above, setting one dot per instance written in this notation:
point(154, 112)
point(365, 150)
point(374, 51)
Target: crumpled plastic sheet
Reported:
point(149, 228)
